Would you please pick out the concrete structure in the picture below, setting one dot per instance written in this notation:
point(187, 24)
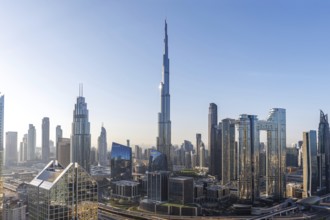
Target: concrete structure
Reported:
point(31, 146)
point(323, 154)
point(51, 194)
point(228, 151)
point(45, 140)
point(309, 149)
point(58, 134)
point(11, 148)
point(164, 117)
point(80, 134)
point(102, 147)
point(63, 148)
point(181, 190)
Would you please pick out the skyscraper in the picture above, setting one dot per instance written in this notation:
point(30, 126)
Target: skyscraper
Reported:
point(59, 192)
point(157, 161)
point(102, 147)
point(63, 157)
point(198, 148)
point(45, 139)
point(248, 158)
point(309, 149)
point(31, 146)
point(324, 154)
point(214, 141)
point(59, 134)
point(228, 150)
point(80, 135)
point(164, 120)
point(11, 148)
point(2, 103)
point(121, 162)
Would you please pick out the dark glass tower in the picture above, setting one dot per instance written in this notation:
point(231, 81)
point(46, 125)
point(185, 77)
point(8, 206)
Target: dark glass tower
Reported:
point(324, 154)
point(80, 136)
point(121, 162)
point(164, 119)
point(102, 147)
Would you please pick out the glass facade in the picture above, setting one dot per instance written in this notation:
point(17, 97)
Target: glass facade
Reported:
point(63, 193)
point(157, 188)
point(121, 162)
point(180, 190)
point(157, 161)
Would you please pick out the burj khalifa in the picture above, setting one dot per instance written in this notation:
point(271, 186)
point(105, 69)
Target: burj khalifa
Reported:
point(164, 121)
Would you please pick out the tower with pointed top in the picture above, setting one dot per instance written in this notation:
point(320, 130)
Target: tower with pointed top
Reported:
point(164, 120)
point(80, 136)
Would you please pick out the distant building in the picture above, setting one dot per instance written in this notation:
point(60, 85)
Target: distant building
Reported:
point(202, 156)
point(198, 148)
point(102, 147)
point(31, 146)
point(157, 189)
point(94, 156)
point(63, 148)
point(58, 134)
point(121, 162)
point(51, 194)
point(80, 134)
point(23, 149)
point(157, 161)
point(11, 148)
point(292, 157)
point(228, 151)
point(181, 190)
point(309, 148)
point(215, 160)
point(45, 139)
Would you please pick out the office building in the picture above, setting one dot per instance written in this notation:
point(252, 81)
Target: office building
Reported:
point(157, 188)
point(248, 158)
point(94, 156)
point(31, 146)
point(80, 134)
point(202, 156)
point(198, 147)
point(309, 149)
point(63, 193)
point(324, 154)
point(126, 190)
point(14, 210)
point(63, 147)
point(164, 117)
point(102, 147)
point(45, 140)
point(11, 148)
point(157, 161)
point(291, 157)
point(58, 134)
point(228, 151)
point(121, 162)
point(181, 190)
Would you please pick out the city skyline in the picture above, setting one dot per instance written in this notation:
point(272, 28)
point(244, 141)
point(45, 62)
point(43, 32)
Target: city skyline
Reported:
point(120, 72)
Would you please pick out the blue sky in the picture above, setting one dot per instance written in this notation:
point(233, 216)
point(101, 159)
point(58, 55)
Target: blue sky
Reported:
point(245, 56)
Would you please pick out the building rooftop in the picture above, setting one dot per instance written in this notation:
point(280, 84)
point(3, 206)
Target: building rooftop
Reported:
point(126, 183)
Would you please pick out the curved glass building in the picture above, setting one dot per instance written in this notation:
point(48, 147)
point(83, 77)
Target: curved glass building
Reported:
point(121, 162)
point(157, 161)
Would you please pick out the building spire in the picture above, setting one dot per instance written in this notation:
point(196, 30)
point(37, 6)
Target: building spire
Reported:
point(81, 90)
point(166, 40)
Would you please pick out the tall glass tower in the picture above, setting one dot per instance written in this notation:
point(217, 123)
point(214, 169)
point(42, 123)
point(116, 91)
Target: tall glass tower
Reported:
point(164, 121)
point(80, 136)
point(102, 147)
point(45, 139)
point(323, 154)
